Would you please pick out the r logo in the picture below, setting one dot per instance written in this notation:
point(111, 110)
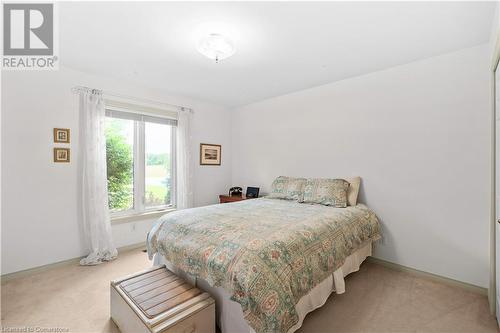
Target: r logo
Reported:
point(28, 29)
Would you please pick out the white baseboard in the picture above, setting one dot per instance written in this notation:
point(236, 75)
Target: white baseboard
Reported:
point(439, 278)
point(72, 261)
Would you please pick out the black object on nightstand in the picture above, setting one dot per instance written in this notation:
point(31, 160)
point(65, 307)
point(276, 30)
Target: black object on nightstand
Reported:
point(252, 192)
point(235, 191)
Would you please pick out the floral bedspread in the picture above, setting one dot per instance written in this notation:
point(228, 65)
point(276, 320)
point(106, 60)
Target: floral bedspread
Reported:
point(267, 253)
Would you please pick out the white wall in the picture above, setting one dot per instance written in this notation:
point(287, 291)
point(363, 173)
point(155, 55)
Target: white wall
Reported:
point(418, 135)
point(495, 27)
point(39, 201)
point(492, 293)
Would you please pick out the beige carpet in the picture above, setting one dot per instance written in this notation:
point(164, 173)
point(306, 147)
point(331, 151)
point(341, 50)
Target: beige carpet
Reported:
point(378, 299)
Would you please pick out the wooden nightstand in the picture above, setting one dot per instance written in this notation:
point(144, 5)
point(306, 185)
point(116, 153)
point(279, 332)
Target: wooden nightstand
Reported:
point(223, 198)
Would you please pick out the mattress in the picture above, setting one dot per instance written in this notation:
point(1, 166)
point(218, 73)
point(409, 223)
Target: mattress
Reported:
point(230, 318)
point(266, 253)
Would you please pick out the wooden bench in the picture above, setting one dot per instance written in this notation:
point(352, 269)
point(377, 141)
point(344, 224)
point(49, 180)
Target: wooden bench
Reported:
point(156, 300)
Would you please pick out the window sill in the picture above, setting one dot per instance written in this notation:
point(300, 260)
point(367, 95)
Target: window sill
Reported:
point(141, 216)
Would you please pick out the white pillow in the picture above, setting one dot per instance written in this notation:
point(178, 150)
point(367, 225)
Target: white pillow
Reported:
point(353, 190)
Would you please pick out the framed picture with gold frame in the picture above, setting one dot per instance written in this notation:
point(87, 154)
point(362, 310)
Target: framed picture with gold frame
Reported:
point(210, 154)
point(61, 135)
point(61, 155)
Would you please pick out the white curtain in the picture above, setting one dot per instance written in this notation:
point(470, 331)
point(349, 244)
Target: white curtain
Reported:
point(93, 180)
point(184, 160)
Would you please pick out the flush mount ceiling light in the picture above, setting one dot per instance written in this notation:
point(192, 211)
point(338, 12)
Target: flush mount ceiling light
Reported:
point(216, 47)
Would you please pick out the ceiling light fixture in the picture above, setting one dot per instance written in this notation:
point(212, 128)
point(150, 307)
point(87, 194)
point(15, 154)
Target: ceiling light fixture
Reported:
point(216, 47)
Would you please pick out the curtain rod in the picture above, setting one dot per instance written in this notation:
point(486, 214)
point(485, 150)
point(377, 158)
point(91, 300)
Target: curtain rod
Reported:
point(76, 89)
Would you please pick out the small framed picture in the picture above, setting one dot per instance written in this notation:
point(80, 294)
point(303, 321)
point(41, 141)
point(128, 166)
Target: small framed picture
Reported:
point(61, 155)
point(252, 192)
point(210, 154)
point(61, 135)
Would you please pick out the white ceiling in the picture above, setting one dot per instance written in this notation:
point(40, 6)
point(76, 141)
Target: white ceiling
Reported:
point(281, 46)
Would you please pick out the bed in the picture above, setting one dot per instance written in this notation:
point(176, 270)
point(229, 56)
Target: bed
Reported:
point(267, 262)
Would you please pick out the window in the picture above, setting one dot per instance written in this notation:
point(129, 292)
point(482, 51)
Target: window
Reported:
point(120, 163)
point(140, 162)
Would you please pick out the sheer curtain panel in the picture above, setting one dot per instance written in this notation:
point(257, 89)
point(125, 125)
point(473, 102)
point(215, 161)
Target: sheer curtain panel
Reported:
point(93, 178)
point(184, 160)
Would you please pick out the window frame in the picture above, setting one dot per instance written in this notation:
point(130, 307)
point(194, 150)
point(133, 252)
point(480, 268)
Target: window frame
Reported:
point(139, 168)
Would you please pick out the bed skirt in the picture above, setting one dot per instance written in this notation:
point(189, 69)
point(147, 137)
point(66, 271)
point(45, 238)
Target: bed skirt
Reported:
point(230, 315)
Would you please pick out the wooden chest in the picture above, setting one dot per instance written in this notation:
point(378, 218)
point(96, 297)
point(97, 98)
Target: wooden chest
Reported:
point(156, 300)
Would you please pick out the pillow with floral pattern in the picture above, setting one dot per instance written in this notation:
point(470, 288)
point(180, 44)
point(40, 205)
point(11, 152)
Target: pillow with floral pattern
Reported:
point(287, 188)
point(328, 192)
